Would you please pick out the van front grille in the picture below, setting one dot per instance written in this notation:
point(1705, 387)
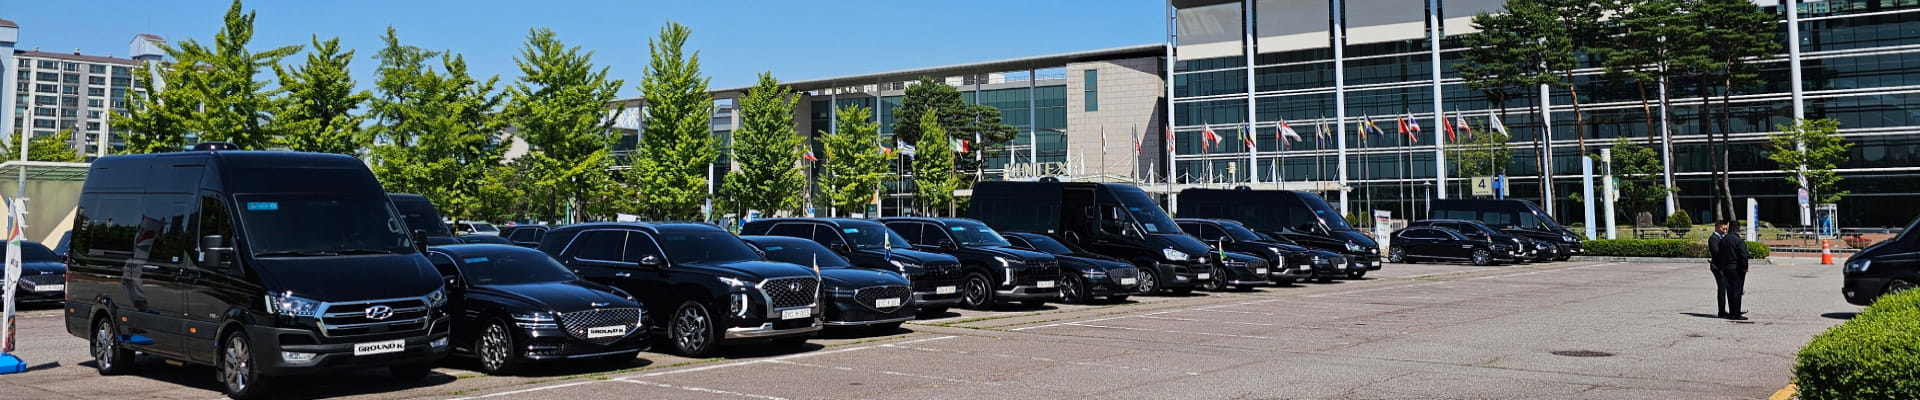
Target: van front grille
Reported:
point(362, 318)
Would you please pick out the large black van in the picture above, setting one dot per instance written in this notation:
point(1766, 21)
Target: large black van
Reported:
point(1519, 217)
point(1109, 219)
point(256, 263)
point(1884, 268)
point(1302, 217)
point(422, 216)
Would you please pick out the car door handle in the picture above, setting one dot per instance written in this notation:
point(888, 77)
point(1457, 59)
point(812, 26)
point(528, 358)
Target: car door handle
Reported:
point(623, 274)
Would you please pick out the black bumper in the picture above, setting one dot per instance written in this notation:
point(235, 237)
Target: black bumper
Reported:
point(1178, 276)
point(334, 357)
point(1861, 291)
point(1110, 286)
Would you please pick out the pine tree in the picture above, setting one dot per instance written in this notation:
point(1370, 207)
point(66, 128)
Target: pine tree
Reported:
point(232, 102)
point(854, 162)
point(677, 145)
point(975, 123)
point(933, 174)
point(559, 106)
point(1728, 39)
point(765, 150)
point(317, 113)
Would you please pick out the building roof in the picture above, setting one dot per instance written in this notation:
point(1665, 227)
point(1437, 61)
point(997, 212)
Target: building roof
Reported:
point(150, 36)
point(76, 57)
point(984, 67)
point(7, 23)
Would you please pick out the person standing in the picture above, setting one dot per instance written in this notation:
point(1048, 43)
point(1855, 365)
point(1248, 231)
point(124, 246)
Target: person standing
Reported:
point(1729, 264)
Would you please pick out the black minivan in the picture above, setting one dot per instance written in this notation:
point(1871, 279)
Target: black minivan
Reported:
point(1302, 217)
point(256, 263)
point(422, 216)
point(1109, 219)
point(1885, 267)
point(1518, 217)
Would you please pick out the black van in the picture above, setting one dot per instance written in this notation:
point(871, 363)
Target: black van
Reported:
point(1302, 217)
point(423, 217)
point(868, 244)
point(1518, 217)
point(1109, 219)
point(256, 263)
point(1886, 267)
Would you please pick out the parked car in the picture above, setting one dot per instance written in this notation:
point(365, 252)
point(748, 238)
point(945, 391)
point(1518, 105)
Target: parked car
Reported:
point(43, 274)
point(1115, 220)
point(995, 272)
point(1302, 217)
point(1238, 271)
point(259, 264)
point(1441, 244)
point(1518, 217)
point(1890, 266)
point(421, 215)
point(475, 228)
point(1289, 261)
point(1083, 275)
point(513, 305)
point(704, 285)
point(524, 235)
point(867, 244)
point(485, 239)
point(877, 299)
point(1519, 248)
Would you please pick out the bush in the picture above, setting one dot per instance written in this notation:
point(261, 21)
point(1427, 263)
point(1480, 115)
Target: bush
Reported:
point(1874, 356)
point(1679, 220)
point(1673, 248)
point(1757, 250)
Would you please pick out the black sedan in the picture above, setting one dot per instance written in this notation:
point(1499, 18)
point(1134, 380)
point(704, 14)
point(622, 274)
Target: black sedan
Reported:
point(1441, 244)
point(513, 305)
point(1083, 275)
point(485, 239)
point(874, 298)
point(43, 274)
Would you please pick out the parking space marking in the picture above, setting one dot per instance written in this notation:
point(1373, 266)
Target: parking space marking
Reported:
point(1025, 357)
point(885, 372)
point(701, 389)
point(1202, 320)
point(1064, 323)
point(786, 357)
point(1168, 331)
point(525, 391)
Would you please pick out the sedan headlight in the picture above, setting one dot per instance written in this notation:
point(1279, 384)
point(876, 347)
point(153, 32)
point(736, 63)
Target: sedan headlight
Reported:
point(1317, 260)
point(287, 305)
point(1566, 238)
point(534, 320)
point(1859, 266)
point(1094, 273)
point(1173, 255)
point(1355, 247)
point(438, 297)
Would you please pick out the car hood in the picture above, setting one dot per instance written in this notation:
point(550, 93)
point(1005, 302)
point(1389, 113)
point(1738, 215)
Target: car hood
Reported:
point(915, 256)
point(349, 278)
point(42, 267)
point(755, 270)
point(1282, 246)
point(1181, 242)
point(855, 278)
point(1356, 238)
point(1083, 263)
point(565, 296)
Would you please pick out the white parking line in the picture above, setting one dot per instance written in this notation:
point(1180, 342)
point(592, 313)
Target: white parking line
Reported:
point(1206, 321)
point(701, 389)
point(886, 372)
point(1029, 358)
point(786, 357)
point(1169, 331)
point(524, 391)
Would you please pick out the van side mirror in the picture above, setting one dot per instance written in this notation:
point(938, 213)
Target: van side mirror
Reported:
point(650, 261)
point(214, 250)
point(419, 240)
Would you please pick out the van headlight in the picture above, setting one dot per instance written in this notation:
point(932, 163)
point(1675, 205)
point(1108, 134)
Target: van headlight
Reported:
point(287, 305)
point(1860, 266)
point(438, 297)
point(1173, 255)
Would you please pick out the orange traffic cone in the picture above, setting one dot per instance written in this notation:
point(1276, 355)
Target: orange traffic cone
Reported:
point(1826, 253)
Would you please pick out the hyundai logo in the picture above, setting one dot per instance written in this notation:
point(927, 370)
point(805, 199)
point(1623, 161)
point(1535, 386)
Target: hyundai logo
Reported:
point(794, 286)
point(379, 312)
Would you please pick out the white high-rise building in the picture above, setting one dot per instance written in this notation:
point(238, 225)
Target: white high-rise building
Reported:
point(54, 91)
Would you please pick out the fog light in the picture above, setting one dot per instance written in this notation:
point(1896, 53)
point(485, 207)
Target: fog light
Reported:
point(296, 357)
point(1179, 278)
point(441, 342)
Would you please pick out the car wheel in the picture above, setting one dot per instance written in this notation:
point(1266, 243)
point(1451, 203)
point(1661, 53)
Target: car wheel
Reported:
point(1563, 258)
point(1116, 299)
point(692, 330)
point(1482, 257)
point(236, 369)
point(1356, 274)
point(1897, 286)
point(1214, 285)
point(411, 372)
point(1397, 254)
point(109, 356)
point(495, 348)
point(1149, 281)
point(1073, 289)
point(977, 293)
point(886, 327)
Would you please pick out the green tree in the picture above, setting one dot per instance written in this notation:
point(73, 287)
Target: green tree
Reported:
point(854, 163)
point(765, 150)
point(975, 123)
point(438, 131)
point(1487, 153)
point(1638, 51)
point(933, 174)
point(1639, 179)
point(1507, 58)
point(559, 106)
point(1726, 43)
point(678, 144)
point(56, 147)
point(317, 113)
point(156, 117)
point(231, 103)
point(1824, 150)
point(1575, 27)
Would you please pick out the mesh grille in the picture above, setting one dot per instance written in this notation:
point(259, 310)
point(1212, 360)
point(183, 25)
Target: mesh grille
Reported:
point(576, 323)
point(1118, 273)
point(867, 296)
point(937, 275)
point(1038, 270)
point(45, 279)
point(791, 292)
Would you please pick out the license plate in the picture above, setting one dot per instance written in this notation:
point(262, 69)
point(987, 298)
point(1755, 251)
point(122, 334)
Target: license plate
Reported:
point(606, 331)
point(49, 288)
point(1128, 281)
point(371, 348)
point(884, 303)
point(946, 290)
point(1260, 271)
point(1203, 275)
point(796, 313)
point(1044, 284)
point(1376, 263)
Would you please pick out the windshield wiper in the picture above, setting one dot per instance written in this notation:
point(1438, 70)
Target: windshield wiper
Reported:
point(293, 253)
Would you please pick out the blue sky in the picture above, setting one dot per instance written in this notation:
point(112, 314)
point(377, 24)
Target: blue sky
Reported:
point(795, 39)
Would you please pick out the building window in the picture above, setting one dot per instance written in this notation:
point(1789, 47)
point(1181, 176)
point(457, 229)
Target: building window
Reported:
point(93, 126)
point(70, 101)
point(96, 80)
point(122, 81)
point(46, 77)
point(69, 112)
point(45, 100)
point(119, 104)
point(71, 78)
point(49, 64)
point(93, 114)
point(97, 68)
point(25, 63)
point(1093, 90)
point(93, 103)
point(96, 91)
point(46, 88)
point(43, 112)
point(73, 66)
point(70, 89)
point(119, 93)
point(43, 123)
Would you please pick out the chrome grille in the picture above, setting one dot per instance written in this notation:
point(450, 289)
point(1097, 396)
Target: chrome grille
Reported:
point(576, 323)
point(1118, 273)
point(350, 319)
point(790, 292)
point(867, 296)
point(44, 279)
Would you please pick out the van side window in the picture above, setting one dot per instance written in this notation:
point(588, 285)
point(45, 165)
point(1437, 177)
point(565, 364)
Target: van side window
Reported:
point(1497, 219)
point(791, 230)
point(166, 218)
point(600, 245)
point(114, 221)
point(214, 220)
point(908, 230)
point(825, 235)
point(640, 245)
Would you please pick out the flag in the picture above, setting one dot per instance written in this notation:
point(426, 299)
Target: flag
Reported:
point(1169, 138)
point(1413, 123)
point(1447, 125)
point(809, 156)
point(1320, 130)
point(1208, 138)
point(1136, 139)
point(1246, 135)
point(1286, 132)
point(1402, 123)
point(1368, 126)
point(885, 150)
point(1461, 120)
point(905, 149)
point(1494, 123)
point(1408, 126)
point(963, 146)
point(959, 145)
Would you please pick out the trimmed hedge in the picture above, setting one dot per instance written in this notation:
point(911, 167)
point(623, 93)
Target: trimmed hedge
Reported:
point(1671, 248)
point(1874, 356)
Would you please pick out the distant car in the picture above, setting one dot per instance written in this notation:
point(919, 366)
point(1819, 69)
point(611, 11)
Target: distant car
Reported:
point(525, 235)
point(867, 244)
point(1289, 261)
point(1520, 248)
point(1441, 244)
point(995, 273)
point(1083, 276)
point(484, 239)
point(43, 274)
point(475, 228)
point(513, 304)
point(853, 296)
point(421, 216)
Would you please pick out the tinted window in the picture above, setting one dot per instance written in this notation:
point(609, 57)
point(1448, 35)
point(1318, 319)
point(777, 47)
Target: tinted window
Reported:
point(1144, 211)
point(35, 252)
point(1210, 233)
point(523, 235)
point(640, 245)
point(321, 223)
point(824, 234)
point(705, 246)
point(805, 254)
point(1190, 229)
point(872, 237)
point(1455, 214)
point(1326, 213)
point(1420, 233)
point(791, 230)
point(1497, 219)
point(507, 268)
point(909, 231)
point(1047, 245)
point(166, 220)
point(1238, 232)
point(968, 233)
point(420, 215)
point(600, 245)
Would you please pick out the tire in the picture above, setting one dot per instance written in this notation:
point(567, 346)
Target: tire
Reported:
point(1149, 281)
point(1073, 289)
point(933, 310)
point(977, 292)
point(410, 372)
point(1397, 255)
point(691, 330)
point(1482, 257)
point(495, 348)
point(235, 370)
point(1117, 299)
point(1215, 284)
point(1897, 286)
point(886, 327)
point(110, 357)
point(1356, 274)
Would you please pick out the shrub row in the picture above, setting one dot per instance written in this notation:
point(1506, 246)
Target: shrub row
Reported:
point(1874, 356)
point(1678, 248)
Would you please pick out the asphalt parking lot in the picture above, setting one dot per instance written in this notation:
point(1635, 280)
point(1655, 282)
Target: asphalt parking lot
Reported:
point(1586, 330)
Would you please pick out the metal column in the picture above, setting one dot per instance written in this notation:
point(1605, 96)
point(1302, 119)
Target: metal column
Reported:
point(1439, 117)
point(1168, 134)
point(1546, 148)
point(1340, 98)
point(1799, 100)
point(1253, 160)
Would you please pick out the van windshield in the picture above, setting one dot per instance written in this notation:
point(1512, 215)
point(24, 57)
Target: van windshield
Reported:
point(1144, 211)
point(321, 224)
point(874, 237)
point(1327, 215)
point(1535, 219)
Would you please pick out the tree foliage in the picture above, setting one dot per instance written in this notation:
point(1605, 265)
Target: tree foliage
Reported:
point(1637, 170)
point(156, 116)
point(318, 110)
point(559, 107)
point(765, 150)
point(232, 103)
point(854, 163)
point(1638, 49)
point(975, 123)
point(1487, 153)
point(1504, 60)
point(933, 173)
point(677, 145)
point(1824, 151)
point(57, 147)
point(439, 131)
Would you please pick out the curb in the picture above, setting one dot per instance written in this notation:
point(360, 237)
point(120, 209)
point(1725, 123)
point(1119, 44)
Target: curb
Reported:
point(1762, 261)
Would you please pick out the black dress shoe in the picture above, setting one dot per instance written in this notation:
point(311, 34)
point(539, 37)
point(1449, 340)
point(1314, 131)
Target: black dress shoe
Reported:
point(1723, 314)
point(1737, 318)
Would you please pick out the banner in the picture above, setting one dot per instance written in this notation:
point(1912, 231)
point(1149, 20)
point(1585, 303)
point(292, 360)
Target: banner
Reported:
point(12, 281)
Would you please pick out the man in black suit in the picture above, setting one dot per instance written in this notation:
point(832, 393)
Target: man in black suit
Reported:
point(1729, 265)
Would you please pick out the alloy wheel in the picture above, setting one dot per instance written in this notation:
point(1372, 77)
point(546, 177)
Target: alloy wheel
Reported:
point(1482, 257)
point(104, 345)
point(1397, 254)
point(1070, 290)
point(236, 365)
point(976, 295)
point(494, 347)
point(1149, 281)
point(1899, 285)
point(690, 329)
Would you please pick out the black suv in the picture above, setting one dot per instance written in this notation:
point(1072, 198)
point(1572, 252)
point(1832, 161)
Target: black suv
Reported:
point(514, 305)
point(1519, 248)
point(1442, 244)
point(1114, 220)
point(867, 244)
point(995, 271)
point(1083, 275)
point(1516, 217)
point(1289, 261)
point(703, 284)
